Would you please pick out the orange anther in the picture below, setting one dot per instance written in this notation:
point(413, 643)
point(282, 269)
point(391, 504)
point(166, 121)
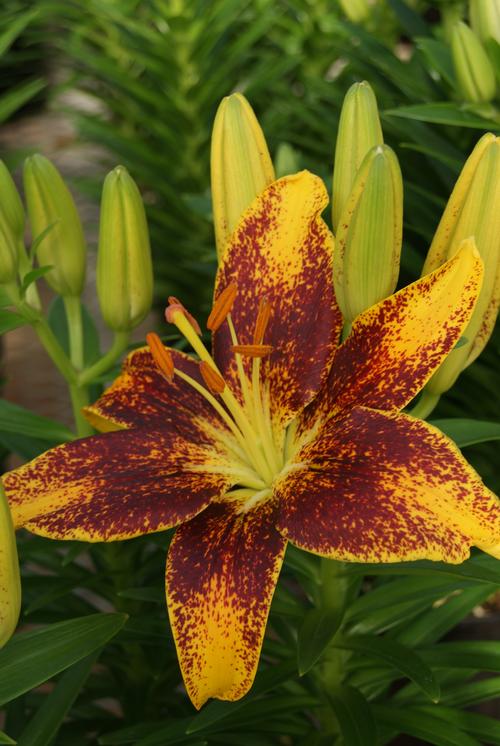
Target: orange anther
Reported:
point(263, 317)
point(174, 306)
point(222, 306)
point(253, 350)
point(161, 356)
point(215, 383)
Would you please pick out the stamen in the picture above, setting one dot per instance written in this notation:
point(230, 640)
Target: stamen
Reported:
point(263, 317)
point(174, 307)
point(253, 350)
point(161, 356)
point(222, 307)
point(215, 383)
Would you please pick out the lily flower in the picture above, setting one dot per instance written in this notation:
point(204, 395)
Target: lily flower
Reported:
point(277, 435)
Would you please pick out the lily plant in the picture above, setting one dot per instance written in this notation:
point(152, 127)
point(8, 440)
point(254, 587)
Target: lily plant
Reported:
point(278, 434)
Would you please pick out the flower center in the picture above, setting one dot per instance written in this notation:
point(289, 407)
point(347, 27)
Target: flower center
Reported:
point(258, 457)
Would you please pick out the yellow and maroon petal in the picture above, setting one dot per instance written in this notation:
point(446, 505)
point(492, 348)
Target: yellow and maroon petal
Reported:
point(395, 346)
point(222, 569)
point(385, 487)
point(141, 397)
point(114, 486)
point(282, 252)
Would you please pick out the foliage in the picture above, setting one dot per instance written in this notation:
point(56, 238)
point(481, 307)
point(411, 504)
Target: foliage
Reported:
point(161, 68)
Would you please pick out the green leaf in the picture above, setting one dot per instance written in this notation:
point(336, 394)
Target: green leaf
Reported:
point(354, 715)
point(16, 419)
point(264, 681)
point(471, 569)
point(442, 113)
point(38, 240)
point(16, 97)
point(472, 692)
point(32, 276)
point(315, 634)
point(400, 657)
point(45, 724)
point(436, 622)
point(4, 738)
point(438, 56)
point(479, 726)
point(10, 320)
point(468, 432)
point(15, 28)
point(478, 656)
point(430, 729)
point(409, 19)
point(30, 658)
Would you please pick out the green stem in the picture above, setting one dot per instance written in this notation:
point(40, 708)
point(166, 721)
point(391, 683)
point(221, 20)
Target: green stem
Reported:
point(79, 399)
point(119, 345)
point(333, 593)
point(75, 329)
point(425, 405)
point(54, 349)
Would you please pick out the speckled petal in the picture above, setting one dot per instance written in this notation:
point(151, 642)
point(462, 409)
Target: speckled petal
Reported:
point(282, 251)
point(395, 346)
point(115, 486)
point(222, 569)
point(380, 487)
point(141, 397)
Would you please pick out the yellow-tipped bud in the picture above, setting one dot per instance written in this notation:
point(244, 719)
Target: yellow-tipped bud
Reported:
point(359, 130)
point(11, 226)
point(124, 268)
point(356, 11)
point(472, 210)
point(241, 167)
point(474, 72)
point(51, 208)
point(369, 235)
point(10, 581)
point(485, 18)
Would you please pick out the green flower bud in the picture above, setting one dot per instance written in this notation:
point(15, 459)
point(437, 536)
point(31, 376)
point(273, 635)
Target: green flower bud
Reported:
point(355, 10)
point(287, 160)
point(11, 226)
point(241, 167)
point(485, 18)
point(472, 210)
point(369, 235)
point(474, 72)
point(359, 130)
point(10, 581)
point(124, 268)
point(51, 208)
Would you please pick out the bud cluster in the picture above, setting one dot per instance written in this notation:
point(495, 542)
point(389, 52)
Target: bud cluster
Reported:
point(473, 58)
point(124, 271)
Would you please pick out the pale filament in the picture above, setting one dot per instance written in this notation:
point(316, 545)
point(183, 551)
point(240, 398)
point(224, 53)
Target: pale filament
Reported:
point(250, 423)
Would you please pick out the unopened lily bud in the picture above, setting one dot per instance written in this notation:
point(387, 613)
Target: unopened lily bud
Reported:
point(474, 72)
point(472, 210)
point(355, 10)
point(11, 226)
point(10, 581)
point(287, 160)
point(369, 235)
point(51, 208)
point(124, 268)
point(359, 130)
point(241, 167)
point(485, 19)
